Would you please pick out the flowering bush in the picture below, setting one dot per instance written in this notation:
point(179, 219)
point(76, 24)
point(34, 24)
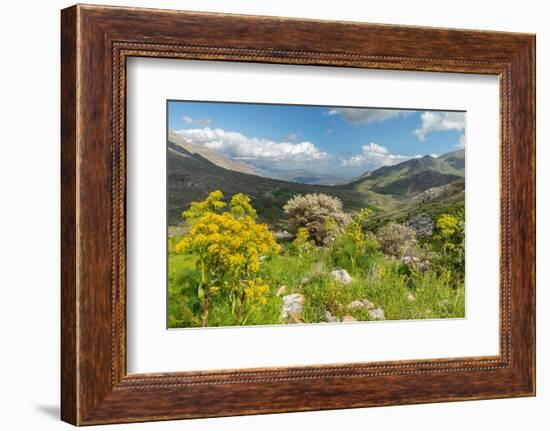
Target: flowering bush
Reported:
point(353, 244)
point(448, 240)
point(228, 243)
point(302, 244)
point(312, 211)
point(450, 232)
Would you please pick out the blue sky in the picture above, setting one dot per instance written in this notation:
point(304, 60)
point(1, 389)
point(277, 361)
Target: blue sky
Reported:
point(323, 139)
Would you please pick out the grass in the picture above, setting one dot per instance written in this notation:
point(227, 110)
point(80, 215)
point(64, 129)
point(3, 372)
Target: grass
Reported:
point(387, 283)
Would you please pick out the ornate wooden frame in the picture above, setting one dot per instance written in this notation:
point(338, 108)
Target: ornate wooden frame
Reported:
point(96, 41)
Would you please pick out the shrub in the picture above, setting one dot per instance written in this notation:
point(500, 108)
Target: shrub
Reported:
point(228, 244)
point(172, 243)
point(448, 240)
point(302, 245)
point(354, 247)
point(397, 240)
point(313, 211)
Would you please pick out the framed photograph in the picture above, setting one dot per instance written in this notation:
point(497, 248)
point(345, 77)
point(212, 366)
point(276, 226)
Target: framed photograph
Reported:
point(265, 215)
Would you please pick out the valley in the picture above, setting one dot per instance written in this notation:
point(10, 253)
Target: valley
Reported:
point(427, 185)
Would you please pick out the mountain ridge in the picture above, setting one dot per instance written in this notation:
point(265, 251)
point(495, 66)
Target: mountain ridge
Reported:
point(413, 175)
point(209, 154)
point(420, 184)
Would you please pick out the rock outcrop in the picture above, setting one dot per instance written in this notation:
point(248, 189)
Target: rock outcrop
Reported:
point(293, 306)
point(422, 224)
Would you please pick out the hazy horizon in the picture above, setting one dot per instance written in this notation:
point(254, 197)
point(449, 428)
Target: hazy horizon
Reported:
point(321, 140)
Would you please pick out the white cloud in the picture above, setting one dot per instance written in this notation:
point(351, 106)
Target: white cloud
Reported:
point(201, 122)
point(461, 142)
point(439, 121)
point(373, 156)
point(365, 115)
point(291, 136)
point(239, 146)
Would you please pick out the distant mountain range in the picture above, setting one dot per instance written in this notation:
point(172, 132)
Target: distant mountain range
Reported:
point(422, 185)
point(184, 148)
point(414, 175)
point(295, 175)
point(305, 176)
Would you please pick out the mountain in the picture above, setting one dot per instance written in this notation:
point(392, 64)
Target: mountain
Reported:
point(427, 185)
point(422, 185)
point(455, 160)
point(180, 145)
point(192, 176)
point(305, 176)
point(414, 175)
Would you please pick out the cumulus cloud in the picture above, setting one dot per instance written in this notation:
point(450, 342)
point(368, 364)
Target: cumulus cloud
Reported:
point(201, 122)
point(439, 121)
point(365, 115)
point(373, 156)
point(239, 146)
point(461, 142)
point(291, 136)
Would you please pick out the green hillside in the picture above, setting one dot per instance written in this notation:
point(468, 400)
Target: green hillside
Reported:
point(192, 177)
point(227, 268)
point(421, 185)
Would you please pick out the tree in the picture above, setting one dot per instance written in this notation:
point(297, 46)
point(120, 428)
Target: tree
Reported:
point(312, 211)
point(228, 243)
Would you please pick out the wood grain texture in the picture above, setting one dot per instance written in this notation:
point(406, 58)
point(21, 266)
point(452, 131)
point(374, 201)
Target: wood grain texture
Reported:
point(69, 367)
point(96, 41)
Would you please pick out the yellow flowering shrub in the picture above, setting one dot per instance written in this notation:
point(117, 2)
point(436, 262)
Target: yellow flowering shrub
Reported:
point(213, 203)
point(354, 232)
point(354, 245)
point(332, 229)
point(447, 226)
point(363, 215)
point(449, 241)
point(302, 244)
point(256, 290)
point(229, 245)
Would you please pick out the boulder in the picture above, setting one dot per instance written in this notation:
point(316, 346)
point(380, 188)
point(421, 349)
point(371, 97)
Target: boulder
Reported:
point(355, 305)
point(329, 318)
point(293, 306)
point(283, 235)
point(410, 297)
point(422, 224)
point(341, 276)
point(349, 319)
point(367, 304)
point(360, 304)
point(377, 314)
